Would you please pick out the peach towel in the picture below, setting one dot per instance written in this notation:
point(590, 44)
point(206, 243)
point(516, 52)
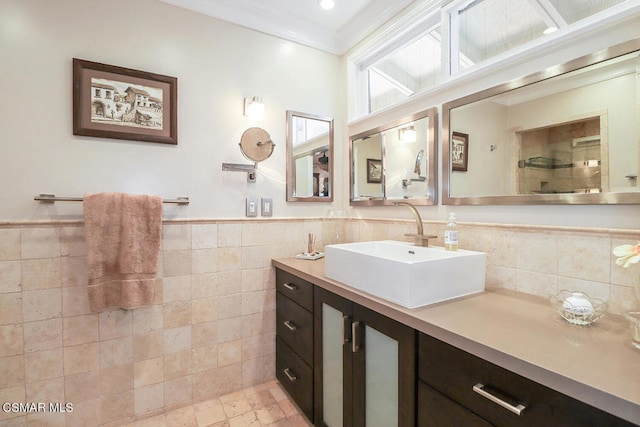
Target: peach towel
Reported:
point(123, 234)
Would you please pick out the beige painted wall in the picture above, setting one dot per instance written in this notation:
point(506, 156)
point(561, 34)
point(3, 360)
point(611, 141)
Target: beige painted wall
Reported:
point(217, 65)
point(211, 329)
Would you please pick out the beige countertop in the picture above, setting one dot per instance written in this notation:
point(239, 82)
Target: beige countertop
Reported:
point(595, 364)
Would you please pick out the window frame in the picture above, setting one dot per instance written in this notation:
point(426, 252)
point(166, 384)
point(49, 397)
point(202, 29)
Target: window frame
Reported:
point(419, 20)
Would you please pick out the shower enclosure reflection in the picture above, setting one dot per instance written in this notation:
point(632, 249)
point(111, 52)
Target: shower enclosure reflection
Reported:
point(569, 138)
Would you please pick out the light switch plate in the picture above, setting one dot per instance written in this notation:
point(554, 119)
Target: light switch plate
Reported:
point(252, 206)
point(266, 207)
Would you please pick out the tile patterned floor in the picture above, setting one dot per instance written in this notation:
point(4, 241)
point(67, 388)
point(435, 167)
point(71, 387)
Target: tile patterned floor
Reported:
point(263, 405)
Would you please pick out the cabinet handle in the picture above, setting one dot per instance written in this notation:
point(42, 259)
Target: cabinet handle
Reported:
point(355, 342)
point(346, 336)
point(290, 286)
point(290, 375)
point(290, 325)
point(480, 389)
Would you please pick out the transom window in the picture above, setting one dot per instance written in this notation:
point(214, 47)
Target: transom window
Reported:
point(409, 70)
point(450, 39)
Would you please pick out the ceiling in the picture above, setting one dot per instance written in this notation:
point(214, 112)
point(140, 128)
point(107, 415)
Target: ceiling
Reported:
point(303, 21)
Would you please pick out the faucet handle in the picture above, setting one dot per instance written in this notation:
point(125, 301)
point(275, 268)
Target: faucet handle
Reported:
point(421, 239)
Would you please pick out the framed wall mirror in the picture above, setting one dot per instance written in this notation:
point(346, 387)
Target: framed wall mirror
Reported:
point(310, 157)
point(395, 162)
point(567, 135)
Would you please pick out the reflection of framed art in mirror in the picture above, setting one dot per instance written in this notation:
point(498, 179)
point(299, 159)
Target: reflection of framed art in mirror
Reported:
point(459, 151)
point(374, 170)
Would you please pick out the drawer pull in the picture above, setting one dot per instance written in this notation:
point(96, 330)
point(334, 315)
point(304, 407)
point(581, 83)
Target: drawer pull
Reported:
point(290, 286)
point(290, 375)
point(480, 389)
point(290, 325)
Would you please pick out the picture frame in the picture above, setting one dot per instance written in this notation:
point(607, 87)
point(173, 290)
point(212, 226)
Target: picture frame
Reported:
point(459, 151)
point(374, 171)
point(122, 103)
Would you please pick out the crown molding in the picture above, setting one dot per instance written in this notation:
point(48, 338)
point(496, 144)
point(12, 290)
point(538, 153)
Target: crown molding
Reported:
point(282, 24)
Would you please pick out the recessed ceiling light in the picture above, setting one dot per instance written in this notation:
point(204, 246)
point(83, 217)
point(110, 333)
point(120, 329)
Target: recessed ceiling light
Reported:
point(326, 4)
point(550, 30)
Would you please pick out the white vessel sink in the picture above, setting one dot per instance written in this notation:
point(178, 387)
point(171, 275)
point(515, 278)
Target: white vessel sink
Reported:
point(409, 275)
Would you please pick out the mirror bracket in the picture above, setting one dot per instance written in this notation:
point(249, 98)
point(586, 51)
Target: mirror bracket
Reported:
point(236, 167)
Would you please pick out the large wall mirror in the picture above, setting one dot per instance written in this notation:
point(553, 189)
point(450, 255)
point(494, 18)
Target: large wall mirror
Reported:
point(309, 158)
point(568, 135)
point(395, 162)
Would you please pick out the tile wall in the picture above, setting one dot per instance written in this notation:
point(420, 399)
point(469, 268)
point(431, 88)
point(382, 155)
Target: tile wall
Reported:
point(211, 329)
point(536, 260)
point(210, 332)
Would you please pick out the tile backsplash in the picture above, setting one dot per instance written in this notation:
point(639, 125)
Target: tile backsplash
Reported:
point(211, 329)
point(536, 260)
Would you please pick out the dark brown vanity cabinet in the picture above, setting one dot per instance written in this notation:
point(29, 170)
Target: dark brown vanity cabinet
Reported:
point(458, 388)
point(294, 339)
point(349, 366)
point(365, 366)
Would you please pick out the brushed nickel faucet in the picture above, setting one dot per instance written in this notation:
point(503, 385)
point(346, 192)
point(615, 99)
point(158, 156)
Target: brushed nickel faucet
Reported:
point(421, 239)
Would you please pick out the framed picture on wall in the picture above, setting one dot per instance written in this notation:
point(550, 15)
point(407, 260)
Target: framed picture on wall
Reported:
point(459, 151)
point(374, 171)
point(121, 103)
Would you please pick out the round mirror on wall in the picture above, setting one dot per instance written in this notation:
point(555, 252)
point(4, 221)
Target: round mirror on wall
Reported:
point(256, 144)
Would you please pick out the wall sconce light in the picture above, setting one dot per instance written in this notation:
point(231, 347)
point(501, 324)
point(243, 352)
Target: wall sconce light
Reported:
point(407, 134)
point(254, 108)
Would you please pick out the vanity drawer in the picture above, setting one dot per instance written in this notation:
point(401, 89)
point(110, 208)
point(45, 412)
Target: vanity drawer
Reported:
point(437, 410)
point(295, 288)
point(294, 325)
point(454, 373)
point(295, 376)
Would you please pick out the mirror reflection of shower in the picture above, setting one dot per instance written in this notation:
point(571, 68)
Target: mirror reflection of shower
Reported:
point(567, 138)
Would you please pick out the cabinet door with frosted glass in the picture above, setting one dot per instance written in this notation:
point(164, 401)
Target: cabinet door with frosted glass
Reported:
point(332, 360)
point(364, 366)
